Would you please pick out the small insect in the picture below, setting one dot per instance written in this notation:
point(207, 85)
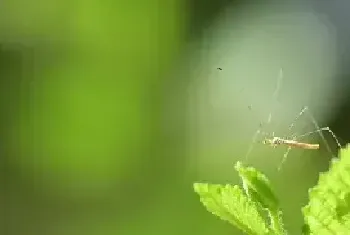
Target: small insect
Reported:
point(275, 141)
point(293, 141)
point(219, 68)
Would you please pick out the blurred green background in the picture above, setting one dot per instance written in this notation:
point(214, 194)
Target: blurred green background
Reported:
point(111, 110)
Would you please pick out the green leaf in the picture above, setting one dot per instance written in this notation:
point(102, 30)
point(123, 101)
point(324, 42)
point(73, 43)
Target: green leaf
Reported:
point(258, 188)
point(231, 204)
point(328, 211)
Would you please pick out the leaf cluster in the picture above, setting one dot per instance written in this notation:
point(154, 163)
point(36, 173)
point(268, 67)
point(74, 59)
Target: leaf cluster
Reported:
point(254, 208)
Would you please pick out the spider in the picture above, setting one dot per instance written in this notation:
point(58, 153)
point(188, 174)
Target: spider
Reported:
point(293, 142)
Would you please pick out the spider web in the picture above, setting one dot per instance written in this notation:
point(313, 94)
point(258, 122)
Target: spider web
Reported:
point(292, 135)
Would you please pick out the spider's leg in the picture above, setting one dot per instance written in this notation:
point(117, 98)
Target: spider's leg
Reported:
point(269, 118)
point(250, 149)
point(320, 131)
point(292, 136)
point(284, 158)
point(300, 114)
